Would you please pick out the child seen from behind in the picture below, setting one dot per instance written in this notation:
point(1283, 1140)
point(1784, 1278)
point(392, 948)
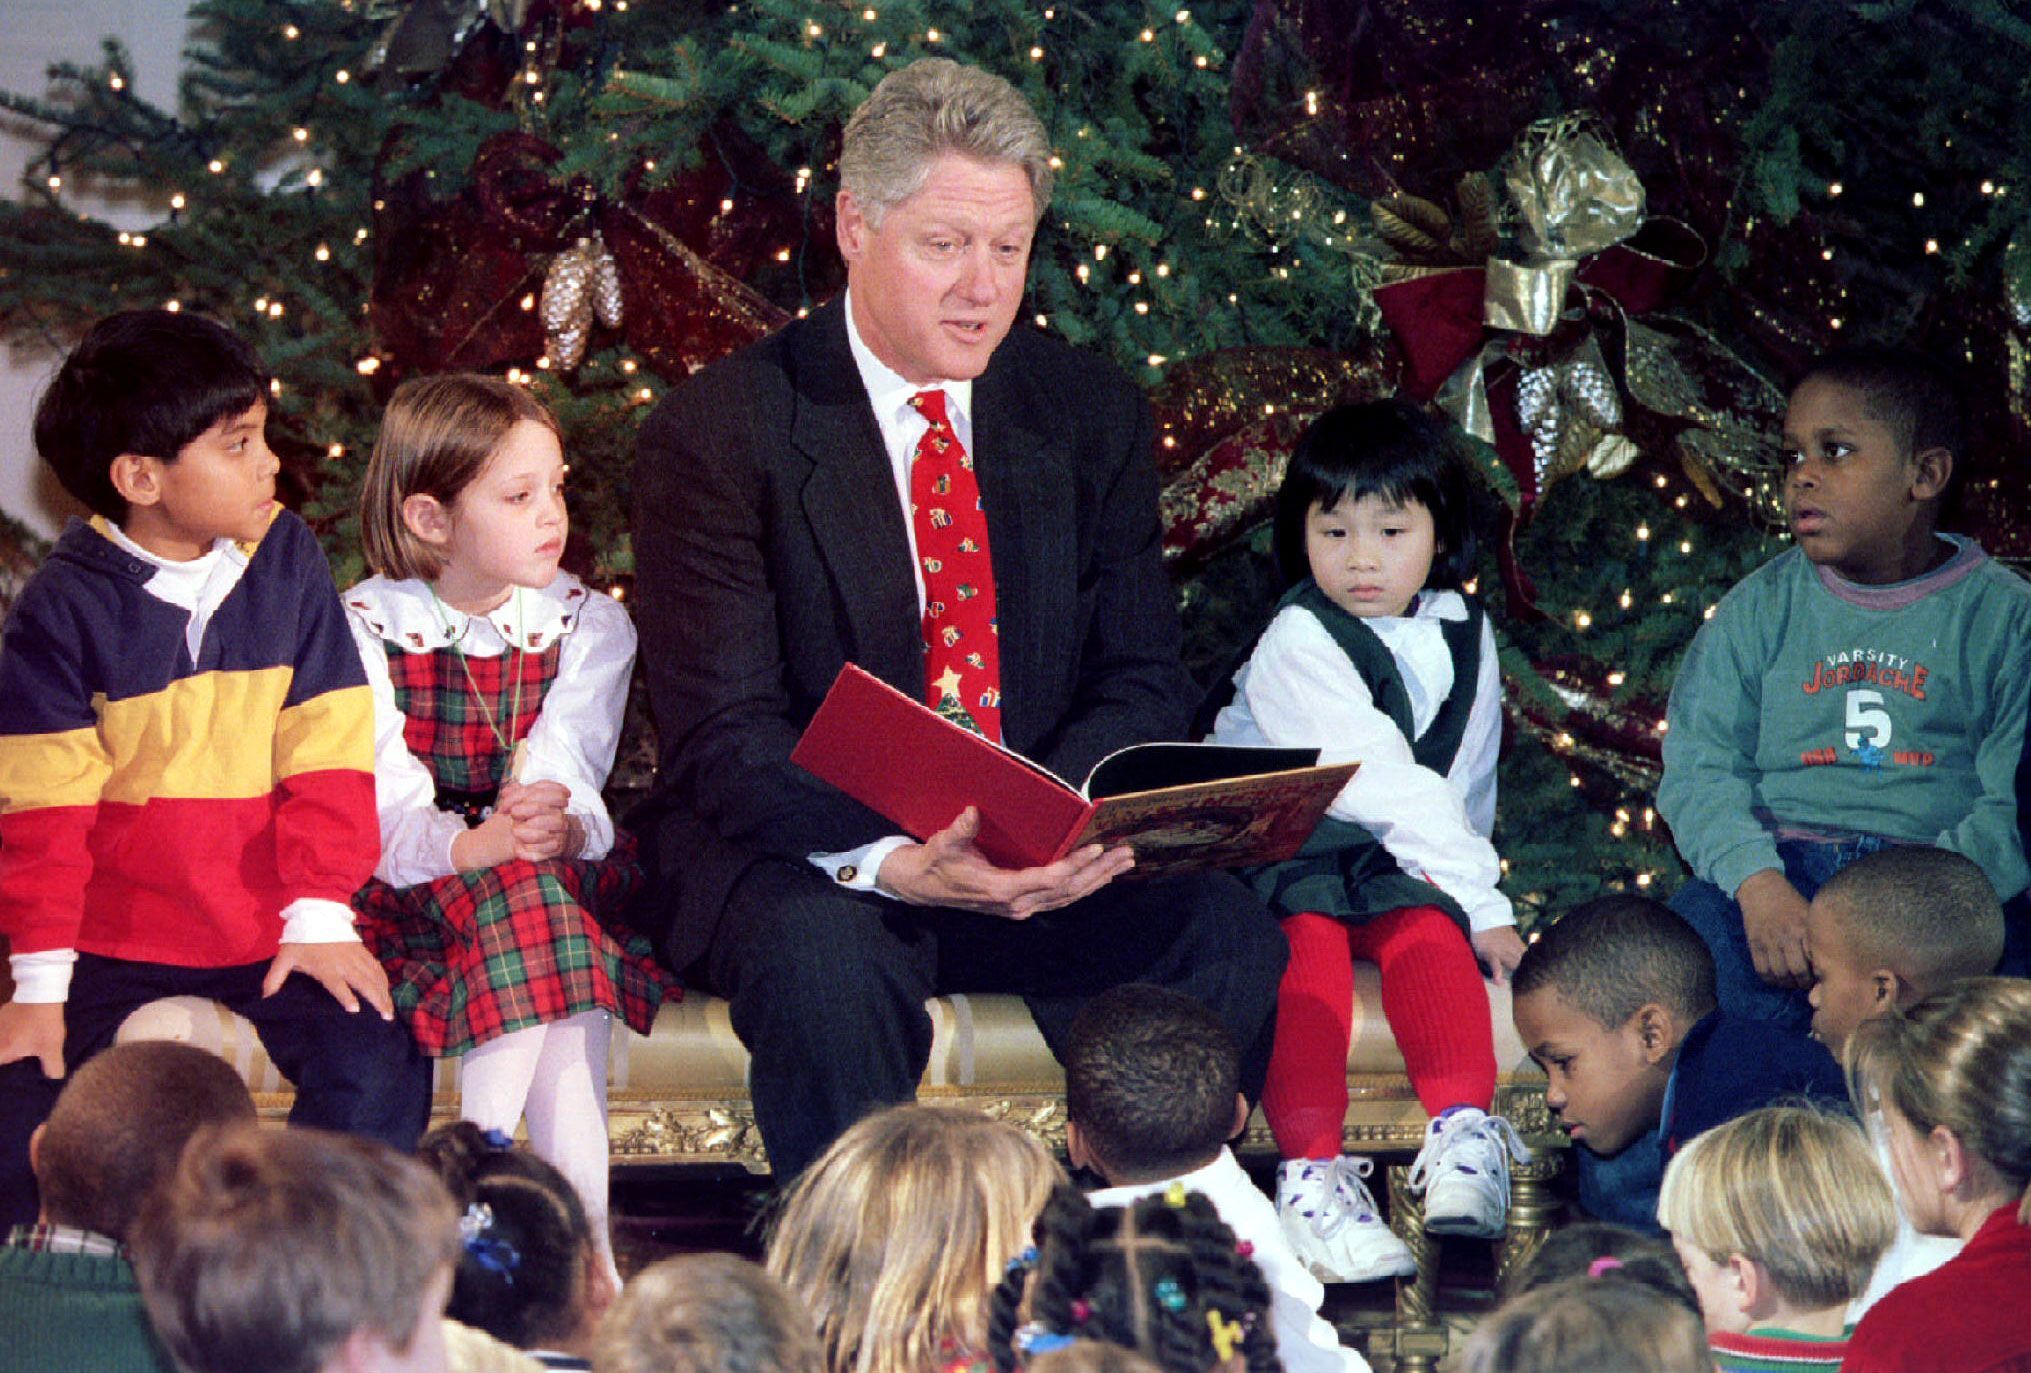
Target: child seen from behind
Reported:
point(706, 1313)
point(1163, 1276)
point(499, 683)
point(1376, 655)
point(297, 1251)
point(1599, 1324)
point(529, 1272)
point(1152, 1095)
point(1888, 930)
point(894, 1239)
point(1780, 1217)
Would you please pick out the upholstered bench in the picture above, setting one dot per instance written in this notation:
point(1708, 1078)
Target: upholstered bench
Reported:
point(679, 1096)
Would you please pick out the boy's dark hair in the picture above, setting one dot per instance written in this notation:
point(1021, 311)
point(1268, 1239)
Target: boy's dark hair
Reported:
point(1928, 913)
point(707, 1313)
point(1911, 393)
point(121, 1123)
point(144, 382)
point(521, 1273)
point(1615, 954)
point(1574, 1251)
point(1390, 449)
point(266, 1250)
point(1151, 1077)
point(1149, 1276)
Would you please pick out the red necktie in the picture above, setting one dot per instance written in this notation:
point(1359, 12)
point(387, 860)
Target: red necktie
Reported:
point(962, 662)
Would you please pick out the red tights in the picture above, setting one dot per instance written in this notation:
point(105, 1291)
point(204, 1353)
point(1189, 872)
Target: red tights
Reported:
point(1431, 995)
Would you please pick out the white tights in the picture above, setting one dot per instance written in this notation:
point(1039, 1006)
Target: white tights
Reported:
point(556, 1075)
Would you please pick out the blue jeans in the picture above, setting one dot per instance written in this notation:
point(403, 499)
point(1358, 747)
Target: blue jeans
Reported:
point(1808, 863)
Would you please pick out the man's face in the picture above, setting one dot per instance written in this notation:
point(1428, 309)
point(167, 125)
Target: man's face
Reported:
point(937, 284)
point(1607, 1085)
point(1844, 991)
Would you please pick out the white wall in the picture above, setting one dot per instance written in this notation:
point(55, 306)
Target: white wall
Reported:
point(33, 34)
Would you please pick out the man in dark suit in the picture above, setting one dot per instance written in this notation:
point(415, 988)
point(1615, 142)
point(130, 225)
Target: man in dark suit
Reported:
point(781, 531)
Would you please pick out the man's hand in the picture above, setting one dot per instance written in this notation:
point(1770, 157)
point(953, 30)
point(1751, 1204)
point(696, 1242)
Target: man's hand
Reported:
point(33, 1030)
point(347, 971)
point(1501, 948)
point(947, 870)
point(1773, 916)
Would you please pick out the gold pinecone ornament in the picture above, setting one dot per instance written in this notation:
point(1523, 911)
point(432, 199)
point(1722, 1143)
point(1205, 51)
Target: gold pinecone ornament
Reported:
point(582, 284)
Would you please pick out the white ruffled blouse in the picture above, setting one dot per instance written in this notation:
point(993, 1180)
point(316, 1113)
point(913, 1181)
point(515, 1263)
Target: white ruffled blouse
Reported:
point(572, 741)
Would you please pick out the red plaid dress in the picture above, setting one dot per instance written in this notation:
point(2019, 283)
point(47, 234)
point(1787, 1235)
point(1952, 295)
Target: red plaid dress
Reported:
point(476, 954)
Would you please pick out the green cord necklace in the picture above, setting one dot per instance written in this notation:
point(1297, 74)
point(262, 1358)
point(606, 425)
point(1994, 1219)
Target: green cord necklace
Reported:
point(516, 750)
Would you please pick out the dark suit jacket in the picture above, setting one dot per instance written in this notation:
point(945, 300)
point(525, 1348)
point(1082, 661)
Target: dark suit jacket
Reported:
point(770, 548)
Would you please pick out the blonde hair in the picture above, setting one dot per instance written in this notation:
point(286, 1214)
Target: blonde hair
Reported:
point(1960, 1060)
point(897, 1235)
point(1603, 1325)
point(435, 440)
point(935, 106)
point(1794, 1188)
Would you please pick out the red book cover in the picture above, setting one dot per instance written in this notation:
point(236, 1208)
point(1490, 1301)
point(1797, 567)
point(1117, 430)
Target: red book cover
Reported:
point(1179, 806)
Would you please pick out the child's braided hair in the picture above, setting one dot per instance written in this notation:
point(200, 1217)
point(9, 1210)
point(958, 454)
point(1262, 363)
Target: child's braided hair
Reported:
point(1160, 1276)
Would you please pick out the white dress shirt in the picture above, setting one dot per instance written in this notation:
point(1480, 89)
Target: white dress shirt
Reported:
point(901, 427)
point(1299, 689)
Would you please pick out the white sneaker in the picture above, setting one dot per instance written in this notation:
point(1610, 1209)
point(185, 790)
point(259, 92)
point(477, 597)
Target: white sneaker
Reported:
point(1330, 1219)
point(1463, 1170)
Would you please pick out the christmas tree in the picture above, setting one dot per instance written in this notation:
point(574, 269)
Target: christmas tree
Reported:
point(595, 197)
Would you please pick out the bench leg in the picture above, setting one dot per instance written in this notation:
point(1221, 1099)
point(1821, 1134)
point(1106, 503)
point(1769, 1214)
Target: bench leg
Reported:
point(1532, 1209)
point(1420, 1340)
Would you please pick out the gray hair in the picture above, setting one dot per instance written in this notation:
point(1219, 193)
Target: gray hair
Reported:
point(935, 106)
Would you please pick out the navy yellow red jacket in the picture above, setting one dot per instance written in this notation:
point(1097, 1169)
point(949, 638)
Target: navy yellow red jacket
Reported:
point(166, 810)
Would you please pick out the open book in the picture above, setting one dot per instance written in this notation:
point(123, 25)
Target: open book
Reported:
point(1179, 806)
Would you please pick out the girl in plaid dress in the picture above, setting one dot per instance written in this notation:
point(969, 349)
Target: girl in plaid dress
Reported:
point(499, 686)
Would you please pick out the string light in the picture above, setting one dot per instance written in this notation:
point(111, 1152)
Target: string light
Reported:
point(172, 305)
point(527, 302)
point(1918, 200)
point(1643, 533)
point(55, 182)
point(117, 82)
point(1157, 359)
point(176, 201)
point(342, 76)
point(215, 166)
point(323, 253)
point(878, 51)
point(337, 450)
point(291, 32)
point(1834, 188)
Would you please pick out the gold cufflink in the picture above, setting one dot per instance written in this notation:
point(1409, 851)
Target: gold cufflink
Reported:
point(847, 873)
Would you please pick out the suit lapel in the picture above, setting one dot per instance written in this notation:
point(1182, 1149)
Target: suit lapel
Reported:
point(1027, 490)
point(850, 503)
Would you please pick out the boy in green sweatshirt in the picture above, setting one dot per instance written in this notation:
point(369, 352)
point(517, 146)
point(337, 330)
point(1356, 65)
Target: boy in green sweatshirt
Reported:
point(68, 1298)
point(1866, 688)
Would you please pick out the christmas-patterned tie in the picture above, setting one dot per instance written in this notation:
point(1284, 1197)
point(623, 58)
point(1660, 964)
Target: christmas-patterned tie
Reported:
point(962, 656)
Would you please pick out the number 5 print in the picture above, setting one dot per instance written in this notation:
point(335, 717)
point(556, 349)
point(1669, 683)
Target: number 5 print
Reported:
point(1866, 716)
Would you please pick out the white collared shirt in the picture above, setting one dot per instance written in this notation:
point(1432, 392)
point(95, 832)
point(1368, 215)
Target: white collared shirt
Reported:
point(888, 393)
point(900, 424)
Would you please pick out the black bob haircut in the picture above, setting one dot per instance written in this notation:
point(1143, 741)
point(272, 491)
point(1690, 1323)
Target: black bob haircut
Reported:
point(1391, 449)
point(144, 382)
